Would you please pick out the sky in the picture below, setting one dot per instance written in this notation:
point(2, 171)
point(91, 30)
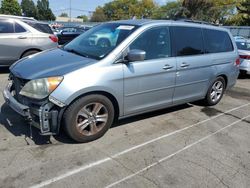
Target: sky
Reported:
point(80, 7)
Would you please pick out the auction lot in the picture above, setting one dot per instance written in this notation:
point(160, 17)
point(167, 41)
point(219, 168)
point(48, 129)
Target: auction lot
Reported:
point(185, 146)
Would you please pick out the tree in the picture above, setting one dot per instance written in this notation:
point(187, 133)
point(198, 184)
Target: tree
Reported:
point(28, 8)
point(64, 14)
point(84, 18)
point(214, 11)
point(44, 12)
point(244, 10)
point(167, 11)
point(124, 9)
point(11, 7)
point(98, 15)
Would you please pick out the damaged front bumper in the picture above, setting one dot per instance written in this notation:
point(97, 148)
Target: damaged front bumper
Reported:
point(44, 117)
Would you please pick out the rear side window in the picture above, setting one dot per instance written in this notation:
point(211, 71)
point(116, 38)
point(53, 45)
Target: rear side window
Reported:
point(217, 41)
point(6, 27)
point(187, 41)
point(44, 28)
point(19, 28)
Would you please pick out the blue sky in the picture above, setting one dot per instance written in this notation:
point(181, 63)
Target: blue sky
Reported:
point(59, 6)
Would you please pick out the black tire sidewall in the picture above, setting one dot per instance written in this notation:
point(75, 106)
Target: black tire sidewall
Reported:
point(208, 99)
point(31, 52)
point(69, 118)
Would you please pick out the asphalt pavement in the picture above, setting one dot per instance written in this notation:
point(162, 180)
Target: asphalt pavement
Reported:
point(186, 146)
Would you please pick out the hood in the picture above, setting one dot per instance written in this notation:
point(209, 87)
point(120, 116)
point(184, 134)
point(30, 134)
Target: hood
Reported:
point(56, 62)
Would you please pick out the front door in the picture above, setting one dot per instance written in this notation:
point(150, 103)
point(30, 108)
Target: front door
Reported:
point(149, 84)
point(14, 39)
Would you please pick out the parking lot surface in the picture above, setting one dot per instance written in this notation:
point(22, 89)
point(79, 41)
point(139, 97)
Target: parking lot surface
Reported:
point(185, 146)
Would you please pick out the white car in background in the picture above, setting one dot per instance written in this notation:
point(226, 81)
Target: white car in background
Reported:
point(244, 52)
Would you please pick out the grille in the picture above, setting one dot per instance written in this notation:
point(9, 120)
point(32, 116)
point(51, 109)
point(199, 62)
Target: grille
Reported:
point(18, 84)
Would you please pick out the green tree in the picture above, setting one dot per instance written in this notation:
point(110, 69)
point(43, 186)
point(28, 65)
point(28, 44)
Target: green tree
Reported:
point(125, 9)
point(244, 11)
point(167, 11)
point(98, 15)
point(215, 11)
point(64, 14)
point(28, 8)
point(84, 18)
point(44, 11)
point(11, 7)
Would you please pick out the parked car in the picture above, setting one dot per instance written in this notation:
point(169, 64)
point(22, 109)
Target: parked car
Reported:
point(67, 34)
point(152, 65)
point(21, 37)
point(239, 38)
point(244, 52)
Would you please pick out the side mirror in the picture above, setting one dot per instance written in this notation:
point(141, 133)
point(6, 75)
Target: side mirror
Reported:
point(136, 55)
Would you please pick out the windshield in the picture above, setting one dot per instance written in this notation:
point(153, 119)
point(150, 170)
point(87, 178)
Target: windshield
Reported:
point(99, 41)
point(243, 45)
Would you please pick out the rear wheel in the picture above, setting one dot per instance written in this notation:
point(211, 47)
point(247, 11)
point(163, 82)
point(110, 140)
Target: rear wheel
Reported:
point(88, 118)
point(215, 92)
point(30, 52)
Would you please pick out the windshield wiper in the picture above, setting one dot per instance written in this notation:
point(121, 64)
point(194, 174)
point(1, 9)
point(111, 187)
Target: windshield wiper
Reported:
point(76, 52)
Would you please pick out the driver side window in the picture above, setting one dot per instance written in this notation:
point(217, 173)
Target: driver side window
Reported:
point(155, 42)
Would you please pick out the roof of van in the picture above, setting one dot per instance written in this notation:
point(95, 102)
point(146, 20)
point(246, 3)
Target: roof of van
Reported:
point(140, 22)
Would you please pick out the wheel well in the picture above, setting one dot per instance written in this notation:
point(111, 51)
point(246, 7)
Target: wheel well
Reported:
point(106, 94)
point(31, 49)
point(225, 78)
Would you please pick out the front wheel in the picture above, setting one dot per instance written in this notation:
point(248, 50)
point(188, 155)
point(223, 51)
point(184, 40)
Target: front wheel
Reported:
point(215, 92)
point(88, 118)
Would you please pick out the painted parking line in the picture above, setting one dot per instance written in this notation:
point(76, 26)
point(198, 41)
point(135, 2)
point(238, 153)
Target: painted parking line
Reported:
point(173, 154)
point(99, 162)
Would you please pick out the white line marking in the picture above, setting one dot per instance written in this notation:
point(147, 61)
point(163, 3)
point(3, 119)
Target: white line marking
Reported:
point(85, 167)
point(173, 154)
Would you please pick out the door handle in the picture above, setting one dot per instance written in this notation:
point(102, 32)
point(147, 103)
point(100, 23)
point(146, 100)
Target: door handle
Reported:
point(167, 67)
point(22, 37)
point(184, 65)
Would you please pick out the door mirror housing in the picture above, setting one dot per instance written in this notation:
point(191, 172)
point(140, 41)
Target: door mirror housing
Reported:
point(136, 55)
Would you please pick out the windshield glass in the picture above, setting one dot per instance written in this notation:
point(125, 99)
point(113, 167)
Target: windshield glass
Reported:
point(243, 45)
point(99, 41)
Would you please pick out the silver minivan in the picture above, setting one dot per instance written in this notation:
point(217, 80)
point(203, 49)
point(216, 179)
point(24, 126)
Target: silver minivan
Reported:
point(84, 86)
point(21, 37)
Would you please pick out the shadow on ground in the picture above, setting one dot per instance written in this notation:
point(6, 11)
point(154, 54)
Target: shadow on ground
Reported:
point(16, 125)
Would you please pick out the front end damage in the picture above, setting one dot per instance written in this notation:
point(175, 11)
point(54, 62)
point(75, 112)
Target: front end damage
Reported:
point(42, 114)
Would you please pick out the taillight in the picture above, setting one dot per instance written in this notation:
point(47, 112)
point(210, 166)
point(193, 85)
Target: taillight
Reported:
point(245, 56)
point(53, 38)
point(237, 62)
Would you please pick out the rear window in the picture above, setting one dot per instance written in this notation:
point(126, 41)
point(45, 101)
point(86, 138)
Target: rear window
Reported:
point(19, 28)
point(6, 27)
point(44, 28)
point(187, 41)
point(217, 41)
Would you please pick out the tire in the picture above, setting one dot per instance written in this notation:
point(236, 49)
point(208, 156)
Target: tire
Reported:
point(104, 43)
point(88, 118)
point(30, 52)
point(215, 92)
point(243, 74)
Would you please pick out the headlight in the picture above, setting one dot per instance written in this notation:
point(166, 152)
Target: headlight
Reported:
point(40, 88)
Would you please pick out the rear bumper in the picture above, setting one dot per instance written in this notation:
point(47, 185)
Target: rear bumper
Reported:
point(245, 66)
point(43, 118)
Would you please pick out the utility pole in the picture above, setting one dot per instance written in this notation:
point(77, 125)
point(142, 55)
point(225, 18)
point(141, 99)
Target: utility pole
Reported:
point(70, 16)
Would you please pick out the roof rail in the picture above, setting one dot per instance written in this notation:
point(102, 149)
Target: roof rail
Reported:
point(195, 21)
